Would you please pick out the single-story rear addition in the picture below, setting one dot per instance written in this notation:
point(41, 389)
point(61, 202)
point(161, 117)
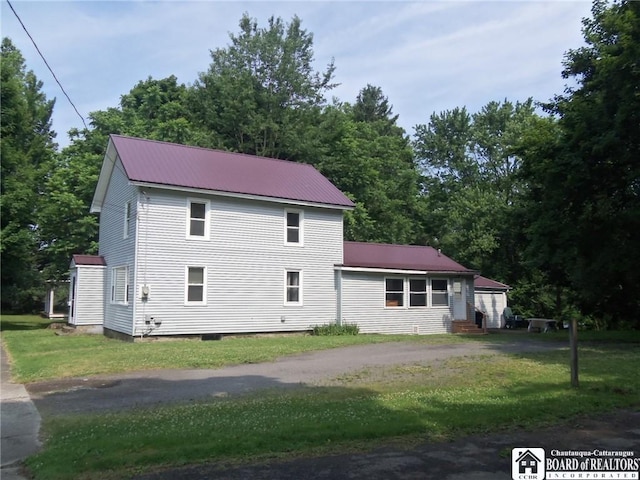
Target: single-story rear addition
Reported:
point(195, 241)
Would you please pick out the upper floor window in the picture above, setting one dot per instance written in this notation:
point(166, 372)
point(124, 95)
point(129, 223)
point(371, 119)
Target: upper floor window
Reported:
point(198, 219)
point(293, 232)
point(439, 292)
point(127, 219)
point(120, 285)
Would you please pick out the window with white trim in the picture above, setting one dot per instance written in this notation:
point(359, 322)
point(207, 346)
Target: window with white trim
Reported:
point(127, 219)
point(439, 292)
point(120, 285)
point(198, 219)
point(293, 227)
point(293, 287)
point(417, 292)
point(394, 292)
point(195, 286)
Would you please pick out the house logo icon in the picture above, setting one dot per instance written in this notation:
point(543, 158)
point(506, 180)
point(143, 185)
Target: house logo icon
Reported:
point(527, 464)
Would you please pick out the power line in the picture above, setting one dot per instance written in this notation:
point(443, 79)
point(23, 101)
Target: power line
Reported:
point(47, 64)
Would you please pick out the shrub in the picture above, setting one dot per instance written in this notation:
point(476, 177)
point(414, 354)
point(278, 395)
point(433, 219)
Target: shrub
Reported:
point(335, 329)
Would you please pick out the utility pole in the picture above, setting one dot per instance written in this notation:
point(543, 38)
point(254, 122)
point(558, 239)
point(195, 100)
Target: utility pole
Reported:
point(573, 345)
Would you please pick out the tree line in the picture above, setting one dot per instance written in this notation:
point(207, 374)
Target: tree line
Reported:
point(542, 196)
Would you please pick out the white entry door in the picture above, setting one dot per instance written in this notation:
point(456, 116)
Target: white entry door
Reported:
point(459, 300)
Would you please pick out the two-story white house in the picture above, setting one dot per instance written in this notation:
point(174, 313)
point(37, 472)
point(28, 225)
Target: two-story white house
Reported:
point(204, 242)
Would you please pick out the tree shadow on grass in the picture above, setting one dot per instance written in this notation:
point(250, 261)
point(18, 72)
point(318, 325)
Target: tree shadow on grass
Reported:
point(24, 322)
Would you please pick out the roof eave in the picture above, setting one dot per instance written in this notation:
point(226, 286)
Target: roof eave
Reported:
point(108, 164)
point(245, 196)
point(404, 271)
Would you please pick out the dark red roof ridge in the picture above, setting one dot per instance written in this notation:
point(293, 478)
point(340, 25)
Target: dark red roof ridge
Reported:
point(154, 162)
point(207, 149)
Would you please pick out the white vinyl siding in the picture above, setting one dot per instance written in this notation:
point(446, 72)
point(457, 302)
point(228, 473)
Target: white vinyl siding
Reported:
point(245, 259)
point(361, 303)
point(88, 307)
point(116, 250)
point(198, 219)
point(293, 227)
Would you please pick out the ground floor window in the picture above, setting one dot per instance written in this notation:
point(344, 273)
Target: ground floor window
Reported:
point(417, 292)
point(196, 286)
point(394, 292)
point(439, 292)
point(293, 287)
point(120, 285)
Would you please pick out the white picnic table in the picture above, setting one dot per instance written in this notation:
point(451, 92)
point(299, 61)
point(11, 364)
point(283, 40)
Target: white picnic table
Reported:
point(541, 324)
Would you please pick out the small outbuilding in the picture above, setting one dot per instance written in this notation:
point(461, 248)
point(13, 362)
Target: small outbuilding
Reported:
point(86, 291)
point(491, 299)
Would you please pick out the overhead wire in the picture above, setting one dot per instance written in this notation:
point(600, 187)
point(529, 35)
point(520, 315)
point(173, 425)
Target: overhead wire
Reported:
point(47, 64)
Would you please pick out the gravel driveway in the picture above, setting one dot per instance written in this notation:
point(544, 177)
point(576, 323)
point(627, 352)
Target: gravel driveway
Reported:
point(152, 387)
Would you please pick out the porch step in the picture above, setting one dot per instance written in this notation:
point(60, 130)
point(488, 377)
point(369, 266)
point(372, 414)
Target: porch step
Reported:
point(66, 330)
point(465, 326)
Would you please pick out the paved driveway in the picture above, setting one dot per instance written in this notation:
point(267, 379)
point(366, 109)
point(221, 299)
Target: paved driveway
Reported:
point(146, 388)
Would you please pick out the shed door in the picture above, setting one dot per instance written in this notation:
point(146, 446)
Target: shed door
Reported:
point(72, 297)
point(492, 303)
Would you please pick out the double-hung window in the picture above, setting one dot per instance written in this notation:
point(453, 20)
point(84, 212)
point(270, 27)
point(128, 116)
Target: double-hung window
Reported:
point(394, 292)
point(120, 285)
point(127, 219)
point(417, 292)
point(439, 292)
point(293, 287)
point(196, 286)
point(198, 219)
point(293, 227)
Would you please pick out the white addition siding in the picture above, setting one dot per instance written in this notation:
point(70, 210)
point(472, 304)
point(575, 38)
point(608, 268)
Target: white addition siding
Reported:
point(245, 259)
point(117, 250)
point(363, 303)
point(493, 303)
point(88, 298)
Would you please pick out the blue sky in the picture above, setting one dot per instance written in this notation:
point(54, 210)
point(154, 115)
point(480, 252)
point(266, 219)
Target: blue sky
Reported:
point(427, 56)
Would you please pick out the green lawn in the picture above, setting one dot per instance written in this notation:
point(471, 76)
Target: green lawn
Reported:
point(37, 353)
point(410, 402)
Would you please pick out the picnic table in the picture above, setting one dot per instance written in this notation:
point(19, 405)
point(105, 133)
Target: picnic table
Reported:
point(541, 324)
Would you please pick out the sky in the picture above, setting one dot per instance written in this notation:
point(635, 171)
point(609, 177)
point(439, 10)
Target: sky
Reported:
point(427, 56)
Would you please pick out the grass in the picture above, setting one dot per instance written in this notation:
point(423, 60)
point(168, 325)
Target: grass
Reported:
point(416, 402)
point(437, 400)
point(37, 353)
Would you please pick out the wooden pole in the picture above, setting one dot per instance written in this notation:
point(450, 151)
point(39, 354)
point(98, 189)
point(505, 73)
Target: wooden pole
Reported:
point(573, 345)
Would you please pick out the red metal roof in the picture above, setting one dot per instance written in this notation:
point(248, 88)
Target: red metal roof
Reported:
point(88, 260)
point(484, 282)
point(402, 257)
point(162, 163)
